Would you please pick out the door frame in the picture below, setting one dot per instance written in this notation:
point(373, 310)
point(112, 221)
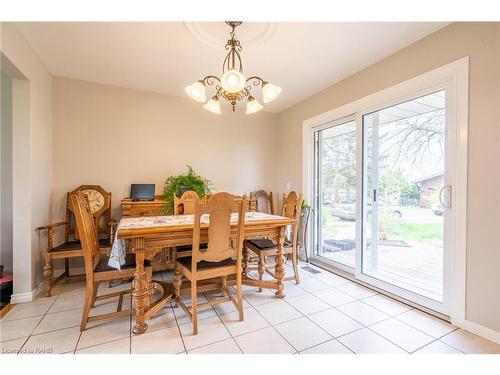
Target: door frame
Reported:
point(455, 76)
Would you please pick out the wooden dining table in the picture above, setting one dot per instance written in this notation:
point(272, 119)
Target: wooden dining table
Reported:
point(148, 236)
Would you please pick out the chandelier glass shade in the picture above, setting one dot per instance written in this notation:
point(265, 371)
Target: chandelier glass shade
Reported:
point(232, 86)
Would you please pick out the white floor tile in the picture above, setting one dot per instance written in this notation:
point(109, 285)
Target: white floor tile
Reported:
point(302, 333)
point(14, 329)
point(334, 297)
point(356, 290)
point(363, 313)
point(252, 322)
point(164, 318)
point(210, 330)
point(312, 285)
point(60, 341)
point(469, 343)
point(12, 346)
point(121, 346)
point(329, 347)
point(335, 322)
point(255, 298)
point(264, 341)
point(104, 331)
point(426, 323)
point(163, 341)
point(331, 279)
point(278, 312)
point(292, 290)
point(308, 304)
point(438, 347)
point(59, 320)
point(387, 305)
point(401, 334)
point(204, 313)
point(28, 309)
point(70, 301)
point(228, 346)
point(365, 341)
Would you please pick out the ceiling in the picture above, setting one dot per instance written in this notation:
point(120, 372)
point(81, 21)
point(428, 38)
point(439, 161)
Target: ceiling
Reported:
point(164, 57)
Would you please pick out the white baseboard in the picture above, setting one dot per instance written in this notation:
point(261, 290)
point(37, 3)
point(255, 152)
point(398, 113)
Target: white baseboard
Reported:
point(26, 297)
point(480, 330)
point(30, 296)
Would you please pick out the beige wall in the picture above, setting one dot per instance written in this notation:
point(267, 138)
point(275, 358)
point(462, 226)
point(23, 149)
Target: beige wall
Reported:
point(480, 41)
point(6, 174)
point(113, 137)
point(32, 154)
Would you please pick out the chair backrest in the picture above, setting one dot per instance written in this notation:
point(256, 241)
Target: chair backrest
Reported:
point(100, 211)
point(292, 205)
point(263, 201)
point(185, 205)
point(88, 234)
point(223, 242)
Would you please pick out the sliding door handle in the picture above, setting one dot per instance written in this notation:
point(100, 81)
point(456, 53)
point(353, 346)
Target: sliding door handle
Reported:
point(447, 203)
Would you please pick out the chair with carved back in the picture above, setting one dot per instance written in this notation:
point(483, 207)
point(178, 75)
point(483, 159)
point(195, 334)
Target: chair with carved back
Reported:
point(263, 247)
point(100, 205)
point(186, 205)
point(96, 266)
point(263, 201)
point(221, 258)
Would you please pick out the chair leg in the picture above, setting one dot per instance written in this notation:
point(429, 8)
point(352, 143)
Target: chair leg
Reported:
point(194, 306)
point(48, 271)
point(66, 267)
point(239, 296)
point(224, 285)
point(261, 268)
point(295, 261)
point(177, 286)
point(87, 305)
point(94, 294)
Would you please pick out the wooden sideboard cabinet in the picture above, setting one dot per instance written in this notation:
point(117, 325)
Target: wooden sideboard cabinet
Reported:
point(132, 208)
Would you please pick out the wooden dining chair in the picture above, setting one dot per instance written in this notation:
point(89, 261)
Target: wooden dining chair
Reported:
point(96, 267)
point(263, 201)
point(263, 247)
point(186, 203)
point(220, 259)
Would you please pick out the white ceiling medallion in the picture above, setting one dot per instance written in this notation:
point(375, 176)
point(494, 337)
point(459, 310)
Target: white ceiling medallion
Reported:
point(214, 33)
point(232, 86)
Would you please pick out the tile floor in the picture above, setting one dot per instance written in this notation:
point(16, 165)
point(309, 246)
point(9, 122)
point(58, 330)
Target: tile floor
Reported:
point(324, 314)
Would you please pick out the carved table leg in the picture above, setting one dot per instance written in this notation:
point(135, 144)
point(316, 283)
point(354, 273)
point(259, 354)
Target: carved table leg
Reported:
point(140, 293)
point(244, 264)
point(279, 269)
point(48, 271)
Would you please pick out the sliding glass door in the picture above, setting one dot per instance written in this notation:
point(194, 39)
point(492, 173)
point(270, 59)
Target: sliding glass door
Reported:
point(335, 186)
point(405, 196)
point(382, 197)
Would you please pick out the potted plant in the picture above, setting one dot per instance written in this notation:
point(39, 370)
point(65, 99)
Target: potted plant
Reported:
point(177, 185)
point(304, 221)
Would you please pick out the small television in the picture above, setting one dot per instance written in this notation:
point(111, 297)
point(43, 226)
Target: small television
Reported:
point(142, 192)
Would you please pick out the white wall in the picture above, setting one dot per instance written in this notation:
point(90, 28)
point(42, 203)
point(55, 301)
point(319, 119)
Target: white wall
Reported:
point(6, 174)
point(32, 156)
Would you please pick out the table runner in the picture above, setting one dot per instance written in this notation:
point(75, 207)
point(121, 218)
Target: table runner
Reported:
point(117, 256)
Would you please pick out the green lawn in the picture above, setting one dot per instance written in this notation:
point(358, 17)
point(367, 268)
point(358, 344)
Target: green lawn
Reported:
point(412, 226)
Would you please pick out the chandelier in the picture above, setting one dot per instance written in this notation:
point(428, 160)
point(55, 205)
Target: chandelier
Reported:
point(233, 86)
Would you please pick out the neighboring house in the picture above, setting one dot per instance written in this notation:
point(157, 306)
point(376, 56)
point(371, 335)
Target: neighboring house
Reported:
point(429, 187)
